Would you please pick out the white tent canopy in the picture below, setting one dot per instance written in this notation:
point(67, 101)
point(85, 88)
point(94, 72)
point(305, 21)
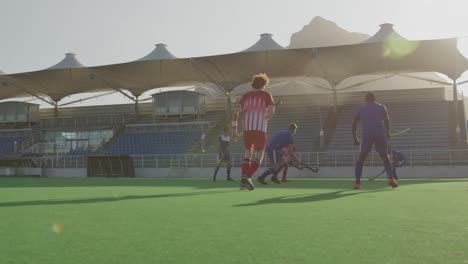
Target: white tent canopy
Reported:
point(387, 34)
point(333, 64)
point(386, 31)
point(69, 62)
point(266, 42)
point(160, 52)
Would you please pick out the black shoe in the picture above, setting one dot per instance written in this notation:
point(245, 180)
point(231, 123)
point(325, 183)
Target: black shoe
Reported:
point(392, 182)
point(275, 180)
point(248, 183)
point(262, 180)
point(230, 179)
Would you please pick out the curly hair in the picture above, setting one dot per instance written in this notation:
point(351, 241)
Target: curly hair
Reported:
point(260, 80)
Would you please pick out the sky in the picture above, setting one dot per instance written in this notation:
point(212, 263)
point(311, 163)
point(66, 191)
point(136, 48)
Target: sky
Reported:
point(37, 34)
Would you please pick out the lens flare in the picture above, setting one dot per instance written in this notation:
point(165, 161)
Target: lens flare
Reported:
point(57, 228)
point(396, 47)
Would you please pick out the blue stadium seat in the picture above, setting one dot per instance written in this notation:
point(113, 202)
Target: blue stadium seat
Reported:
point(172, 142)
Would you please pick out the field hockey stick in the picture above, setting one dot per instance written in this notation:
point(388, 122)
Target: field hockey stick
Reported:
point(218, 165)
point(401, 132)
point(303, 166)
point(314, 169)
point(371, 179)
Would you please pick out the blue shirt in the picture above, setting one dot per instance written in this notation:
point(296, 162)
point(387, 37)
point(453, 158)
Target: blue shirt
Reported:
point(372, 116)
point(280, 140)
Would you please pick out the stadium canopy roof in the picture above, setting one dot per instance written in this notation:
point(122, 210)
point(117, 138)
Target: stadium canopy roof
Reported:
point(333, 64)
point(391, 81)
point(265, 43)
point(160, 52)
point(67, 77)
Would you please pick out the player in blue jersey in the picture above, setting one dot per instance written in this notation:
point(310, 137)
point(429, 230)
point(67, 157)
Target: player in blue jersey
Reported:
point(375, 131)
point(285, 168)
point(280, 151)
point(223, 154)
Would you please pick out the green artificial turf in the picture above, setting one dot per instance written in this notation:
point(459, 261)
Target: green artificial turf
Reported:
point(136, 221)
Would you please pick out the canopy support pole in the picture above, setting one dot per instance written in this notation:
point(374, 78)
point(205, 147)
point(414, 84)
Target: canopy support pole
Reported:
point(56, 109)
point(126, 95)
point(94, 75)
point(52, 103)
point(456, 126)
point(335, 96)
point(332, 84)
point(424, 79)
point(88, 98)
point(137, 107)
point(197, 65)
point(229, 106)
point(365, 82)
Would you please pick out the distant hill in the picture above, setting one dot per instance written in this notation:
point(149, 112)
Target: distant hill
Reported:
point(321, 33)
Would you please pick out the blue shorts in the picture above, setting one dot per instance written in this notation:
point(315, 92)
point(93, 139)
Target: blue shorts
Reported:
point(274, 156)
point(226, 156)
point(380, 142)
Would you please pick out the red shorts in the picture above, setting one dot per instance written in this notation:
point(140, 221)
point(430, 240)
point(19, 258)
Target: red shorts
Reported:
point(255, 140)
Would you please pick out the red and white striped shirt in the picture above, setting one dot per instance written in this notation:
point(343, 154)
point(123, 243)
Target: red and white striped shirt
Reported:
point(255, 106)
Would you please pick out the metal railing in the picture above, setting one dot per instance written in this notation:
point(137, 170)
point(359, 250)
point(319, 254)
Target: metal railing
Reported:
point(335, 159)
point(108, 120)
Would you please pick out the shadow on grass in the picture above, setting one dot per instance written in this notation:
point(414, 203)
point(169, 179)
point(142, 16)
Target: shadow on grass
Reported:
point(308, 198)
point(107, 199)
point(200, 184)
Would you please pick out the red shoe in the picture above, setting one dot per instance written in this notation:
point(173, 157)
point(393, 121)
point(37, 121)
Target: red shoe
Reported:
point(357, 186)
point(392, 182)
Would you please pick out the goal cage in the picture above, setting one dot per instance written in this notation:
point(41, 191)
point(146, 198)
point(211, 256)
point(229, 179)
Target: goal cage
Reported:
point(110, 166)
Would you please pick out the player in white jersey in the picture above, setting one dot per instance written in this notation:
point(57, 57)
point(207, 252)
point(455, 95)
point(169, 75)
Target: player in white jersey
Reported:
point(258, 107)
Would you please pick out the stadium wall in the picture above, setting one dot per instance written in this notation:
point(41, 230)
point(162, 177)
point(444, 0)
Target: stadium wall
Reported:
point(325, 172)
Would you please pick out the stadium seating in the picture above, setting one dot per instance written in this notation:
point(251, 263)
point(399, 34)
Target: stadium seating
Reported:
point(79, 151)
point(306, 117)
point(7, 144)
point(144, 143)
point(428, 122)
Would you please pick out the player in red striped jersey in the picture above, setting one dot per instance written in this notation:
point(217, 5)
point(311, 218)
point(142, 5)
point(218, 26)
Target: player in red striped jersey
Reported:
point(258, 107)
